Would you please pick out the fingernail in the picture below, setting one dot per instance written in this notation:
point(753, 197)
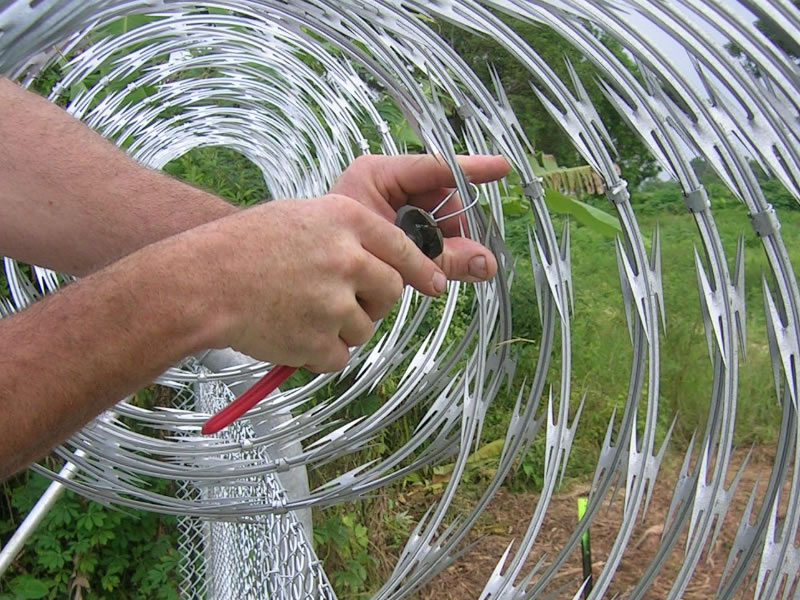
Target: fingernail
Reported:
point(478, 267)
point(439, 282)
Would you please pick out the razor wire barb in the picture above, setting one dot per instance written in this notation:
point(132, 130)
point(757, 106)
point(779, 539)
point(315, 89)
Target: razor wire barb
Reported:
point(302, 121)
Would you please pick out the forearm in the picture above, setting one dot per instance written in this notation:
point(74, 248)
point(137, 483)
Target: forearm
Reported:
point(294, 283)
point(76, 353)
point(72, 201)
point(289, 282)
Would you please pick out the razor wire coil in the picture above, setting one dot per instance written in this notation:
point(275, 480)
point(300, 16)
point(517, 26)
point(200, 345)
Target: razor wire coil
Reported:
point(291, 86)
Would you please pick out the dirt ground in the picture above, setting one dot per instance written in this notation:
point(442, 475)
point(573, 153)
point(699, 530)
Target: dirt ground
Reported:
point(508, 516)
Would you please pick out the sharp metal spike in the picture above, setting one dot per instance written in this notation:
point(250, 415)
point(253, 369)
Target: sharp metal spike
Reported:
point(569, 437)
point(627, 291)
point(298, 88)
point(538, 275)
point(655, 275)
point(712, 311)
point(587, 105)
point(553, 271)
point(605, 462)
point(635, 285)
point(725, 498)
point(745, 537)
point(654, 465)
point(738, 293)
point(782, 342)
point(567, 262)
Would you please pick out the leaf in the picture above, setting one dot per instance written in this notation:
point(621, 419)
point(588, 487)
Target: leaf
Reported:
point(514, 206)
point(109, 582)
point(402, 131)
point(527, 468)
point(488, 451)
point(88, 563)
point(52, 559)
point(549, 162)
point(361, 537)
point(593, 218)
point(405, 135)
point(125, 24)
point(27, 587)
point(571, 180)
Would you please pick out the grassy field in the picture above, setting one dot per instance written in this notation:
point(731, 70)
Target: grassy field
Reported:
point(601, 343)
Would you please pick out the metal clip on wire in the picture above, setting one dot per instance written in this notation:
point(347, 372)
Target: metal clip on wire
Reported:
point(474, 199)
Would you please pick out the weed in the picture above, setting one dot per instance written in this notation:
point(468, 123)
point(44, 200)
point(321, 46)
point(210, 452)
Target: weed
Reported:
point(342, 543)
point(81, 544)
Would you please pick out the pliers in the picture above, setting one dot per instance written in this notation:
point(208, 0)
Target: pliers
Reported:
point(420, 226)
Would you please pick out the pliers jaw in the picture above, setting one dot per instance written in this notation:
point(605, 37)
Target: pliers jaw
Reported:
point(421, 228)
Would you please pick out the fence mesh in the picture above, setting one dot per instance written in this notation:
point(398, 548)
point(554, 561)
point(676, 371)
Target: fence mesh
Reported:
point(267, 556)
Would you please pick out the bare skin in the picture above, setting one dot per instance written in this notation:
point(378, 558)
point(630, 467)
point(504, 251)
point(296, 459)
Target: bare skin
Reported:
point(291, 282)
point(72, 201)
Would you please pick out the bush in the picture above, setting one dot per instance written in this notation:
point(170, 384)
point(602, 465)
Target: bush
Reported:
point(83, 549)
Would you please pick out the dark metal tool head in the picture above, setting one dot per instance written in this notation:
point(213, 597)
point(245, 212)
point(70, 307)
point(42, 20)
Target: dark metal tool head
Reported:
point(421, 227)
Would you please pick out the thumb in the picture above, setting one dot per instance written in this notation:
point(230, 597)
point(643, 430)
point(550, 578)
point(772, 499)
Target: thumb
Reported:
point(467, 260)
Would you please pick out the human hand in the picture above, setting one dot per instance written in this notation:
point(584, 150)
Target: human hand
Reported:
point(385, 183)
point(302, 281)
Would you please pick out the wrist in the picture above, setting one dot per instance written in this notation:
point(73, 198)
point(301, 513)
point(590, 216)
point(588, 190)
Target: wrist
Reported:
point(195, 268)
point(167, 298)
point(160, 206)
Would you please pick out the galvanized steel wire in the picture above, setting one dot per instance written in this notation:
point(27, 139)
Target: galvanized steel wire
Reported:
point(292, 86)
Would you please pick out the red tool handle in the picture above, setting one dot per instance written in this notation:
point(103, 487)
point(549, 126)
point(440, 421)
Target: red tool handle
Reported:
point(260, 390)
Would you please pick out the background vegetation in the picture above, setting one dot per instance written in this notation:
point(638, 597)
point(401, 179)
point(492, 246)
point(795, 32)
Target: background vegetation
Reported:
point(83, 550)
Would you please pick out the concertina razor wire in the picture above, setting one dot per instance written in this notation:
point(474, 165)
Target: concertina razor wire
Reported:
point(293, 86)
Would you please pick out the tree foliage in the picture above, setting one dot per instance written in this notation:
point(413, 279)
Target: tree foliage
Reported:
point(776, 35)
point(483, 53)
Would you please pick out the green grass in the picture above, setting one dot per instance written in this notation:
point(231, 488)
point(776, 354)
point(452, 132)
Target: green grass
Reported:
point(601, 347)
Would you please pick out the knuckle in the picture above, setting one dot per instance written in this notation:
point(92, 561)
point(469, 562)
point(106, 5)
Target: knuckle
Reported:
point(339, 313)
point(351, 263)
point(392, 291)
point(339, 201)
point(294, 351)
point(365, 161)
point(316, 348)
point(337, 358)
point(376, 310)
point(364, 333)
point(347, 208)
point(383, 310)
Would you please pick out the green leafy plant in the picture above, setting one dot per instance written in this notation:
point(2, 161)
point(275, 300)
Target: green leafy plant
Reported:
point(84, 550)
point(222, 170)
point(344, 544)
